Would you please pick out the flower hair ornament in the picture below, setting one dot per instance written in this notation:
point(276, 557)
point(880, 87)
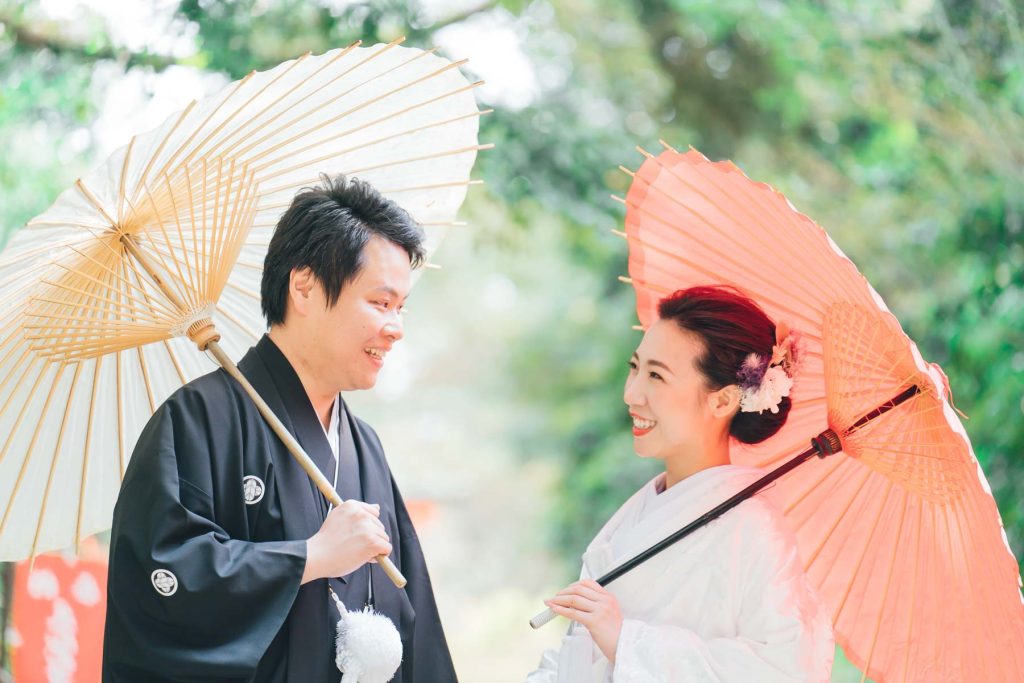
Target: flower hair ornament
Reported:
point(763, 381)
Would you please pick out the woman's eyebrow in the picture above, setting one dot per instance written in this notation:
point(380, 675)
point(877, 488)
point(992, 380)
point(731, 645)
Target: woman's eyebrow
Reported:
point(659, 364)
point(655, 363)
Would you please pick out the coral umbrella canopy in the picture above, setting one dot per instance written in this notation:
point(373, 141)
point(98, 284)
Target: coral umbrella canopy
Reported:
point(898, 532)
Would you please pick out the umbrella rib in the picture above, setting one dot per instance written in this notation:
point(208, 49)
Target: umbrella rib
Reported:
point(252, 98)
point(187, 288)
point(1006, 562)
point(74, 290)
point(121, 450)
point(888, 584)
point(195, 131)
point(122, 180)
point(695, 266)
point(435, 186)
point(238, 323)
point(766, 245)
point(297, 120)
point(202, 242)
point(236, 241)
point(56, 451)
point(240, 230)
point(174, 360)
point(86, 451)
point(296, 88)
point(3, 387)
point(92, 279)
point(239, 204)
point(196, 281)
point(788, 215)
point(864, 552)
point(839, 518)
point(180, 284)
point(51, 223)
point(145, 378)
point(143, 179)
point(11, 295)
point(913, 589)
point(145, 373)
point(236, 132)
point(309, 131)
point(14, 339)
point(978, 624)
point(389, 164)
point(181, 306)
point(740, 266)
point(242, 290)
point(98, 328)
point(235, 214)
point(220, 232)
point(794, 501)
point(30, 451)
point(320, 143)
point(87, 193)
point(24, 408)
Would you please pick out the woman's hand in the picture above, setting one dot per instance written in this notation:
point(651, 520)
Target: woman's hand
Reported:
point(594, 607)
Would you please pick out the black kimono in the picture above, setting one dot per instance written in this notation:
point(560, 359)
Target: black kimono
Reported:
point(208, 544)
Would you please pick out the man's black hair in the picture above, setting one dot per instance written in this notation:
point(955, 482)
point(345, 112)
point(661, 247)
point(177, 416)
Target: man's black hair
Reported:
point(326, 229)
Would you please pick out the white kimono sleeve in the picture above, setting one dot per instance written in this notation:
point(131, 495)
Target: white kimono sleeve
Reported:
point(782, 635)
point(576, 654)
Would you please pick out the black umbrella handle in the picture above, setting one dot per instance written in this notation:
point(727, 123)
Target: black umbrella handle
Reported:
point(825, 444)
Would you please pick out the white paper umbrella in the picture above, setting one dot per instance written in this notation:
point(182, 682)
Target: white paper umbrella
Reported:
point(106, 295)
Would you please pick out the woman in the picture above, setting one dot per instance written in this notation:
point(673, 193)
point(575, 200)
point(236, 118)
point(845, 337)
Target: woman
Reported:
point(730, 602)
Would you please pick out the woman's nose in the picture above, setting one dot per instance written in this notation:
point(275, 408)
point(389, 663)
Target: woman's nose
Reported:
point(632, 394)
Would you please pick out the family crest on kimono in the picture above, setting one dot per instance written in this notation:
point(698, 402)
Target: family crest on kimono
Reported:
point(730, 602)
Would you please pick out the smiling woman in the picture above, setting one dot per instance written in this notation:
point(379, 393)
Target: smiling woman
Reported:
point(730, 602)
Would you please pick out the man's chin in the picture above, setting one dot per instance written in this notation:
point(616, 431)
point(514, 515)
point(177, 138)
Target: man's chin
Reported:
point(366, 382)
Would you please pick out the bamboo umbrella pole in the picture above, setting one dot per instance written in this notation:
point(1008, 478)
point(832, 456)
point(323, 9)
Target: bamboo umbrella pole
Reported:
point(205, 335)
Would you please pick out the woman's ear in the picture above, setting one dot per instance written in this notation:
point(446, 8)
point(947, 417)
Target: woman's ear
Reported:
point(725, 401)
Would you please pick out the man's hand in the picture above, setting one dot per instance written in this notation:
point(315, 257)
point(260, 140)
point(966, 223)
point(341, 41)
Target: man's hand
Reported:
point(594, 607)
point(351, 536)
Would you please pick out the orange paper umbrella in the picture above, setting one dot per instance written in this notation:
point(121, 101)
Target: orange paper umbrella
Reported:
point(898, 531)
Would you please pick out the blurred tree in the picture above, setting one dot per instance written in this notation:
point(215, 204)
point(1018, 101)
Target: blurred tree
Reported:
point(898, 127)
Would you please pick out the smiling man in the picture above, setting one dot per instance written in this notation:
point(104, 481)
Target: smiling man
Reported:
point(223, 553)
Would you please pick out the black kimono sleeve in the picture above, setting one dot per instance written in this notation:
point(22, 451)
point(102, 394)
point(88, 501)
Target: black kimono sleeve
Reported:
point(427, 657)
point(187, 598)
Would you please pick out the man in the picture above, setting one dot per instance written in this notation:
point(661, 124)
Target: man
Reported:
point(222, 549)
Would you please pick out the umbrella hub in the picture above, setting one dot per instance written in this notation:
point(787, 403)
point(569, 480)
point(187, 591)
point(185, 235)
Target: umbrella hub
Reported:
point(202, 332)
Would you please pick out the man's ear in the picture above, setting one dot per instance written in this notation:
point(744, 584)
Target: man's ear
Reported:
point(301, 282)
point(724, 402)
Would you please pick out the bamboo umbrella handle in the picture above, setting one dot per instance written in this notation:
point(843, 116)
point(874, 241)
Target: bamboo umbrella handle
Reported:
point(296, 450)
point(542, 618)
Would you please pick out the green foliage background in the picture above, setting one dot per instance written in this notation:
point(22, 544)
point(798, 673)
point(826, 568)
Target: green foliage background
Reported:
point(898, 126)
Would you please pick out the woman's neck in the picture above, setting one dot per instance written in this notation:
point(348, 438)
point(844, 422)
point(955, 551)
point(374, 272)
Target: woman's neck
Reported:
point(685, 464)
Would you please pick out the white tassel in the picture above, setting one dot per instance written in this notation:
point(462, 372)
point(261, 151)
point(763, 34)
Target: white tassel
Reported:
point(369, 648)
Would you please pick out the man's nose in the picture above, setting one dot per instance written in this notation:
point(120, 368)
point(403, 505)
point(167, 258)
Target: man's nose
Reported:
point(393, 328)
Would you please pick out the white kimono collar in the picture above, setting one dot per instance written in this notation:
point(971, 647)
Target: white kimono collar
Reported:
point(650, 516)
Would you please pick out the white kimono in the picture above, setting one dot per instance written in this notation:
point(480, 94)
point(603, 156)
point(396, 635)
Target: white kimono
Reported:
point(728, 603)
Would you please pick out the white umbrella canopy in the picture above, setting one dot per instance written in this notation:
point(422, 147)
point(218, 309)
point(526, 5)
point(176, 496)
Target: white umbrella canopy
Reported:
point(100, 294)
